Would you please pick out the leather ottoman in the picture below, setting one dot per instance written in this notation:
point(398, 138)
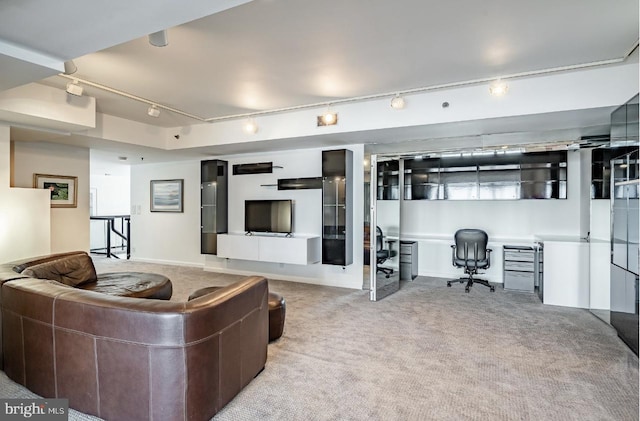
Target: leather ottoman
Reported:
point(277, 310)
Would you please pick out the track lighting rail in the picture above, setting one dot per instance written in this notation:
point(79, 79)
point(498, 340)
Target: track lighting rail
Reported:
point(351, 99)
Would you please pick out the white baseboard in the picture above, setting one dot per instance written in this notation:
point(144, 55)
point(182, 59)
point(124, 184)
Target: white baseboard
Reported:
point(168, 262)
point(278, 276)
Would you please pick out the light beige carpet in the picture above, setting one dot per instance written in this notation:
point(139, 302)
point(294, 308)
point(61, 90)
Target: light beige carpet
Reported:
point(427, 352)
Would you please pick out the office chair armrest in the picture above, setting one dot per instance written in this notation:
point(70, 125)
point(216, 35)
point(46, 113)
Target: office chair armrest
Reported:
point(453, 255)
point(489, 258)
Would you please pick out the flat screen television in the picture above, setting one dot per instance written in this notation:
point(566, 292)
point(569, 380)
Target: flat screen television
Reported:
point(275, 216)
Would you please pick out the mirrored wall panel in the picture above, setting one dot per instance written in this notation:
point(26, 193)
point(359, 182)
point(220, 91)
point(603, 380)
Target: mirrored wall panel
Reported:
point(383, 230)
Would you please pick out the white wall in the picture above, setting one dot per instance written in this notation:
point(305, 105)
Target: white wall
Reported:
point(24, 213)
point(69, 226)
point(24, 224)
point(175, 237)
point(113, 193)
point(166, 237)
point(5, 157)
point(600, 227)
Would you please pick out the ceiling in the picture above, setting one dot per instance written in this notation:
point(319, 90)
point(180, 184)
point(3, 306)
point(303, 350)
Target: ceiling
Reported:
point(237, 57)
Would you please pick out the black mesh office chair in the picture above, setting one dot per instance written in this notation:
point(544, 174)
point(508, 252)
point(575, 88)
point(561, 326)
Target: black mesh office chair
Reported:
point(471, 253)
point(382, 254)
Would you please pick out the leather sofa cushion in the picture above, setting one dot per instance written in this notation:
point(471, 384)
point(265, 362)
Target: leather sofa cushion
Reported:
point(72, 270)
point(132, 284)
point(20, 265)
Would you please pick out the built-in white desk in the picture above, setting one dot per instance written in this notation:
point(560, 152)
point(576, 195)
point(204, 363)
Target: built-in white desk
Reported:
point(566, 266)
point(566, 271)
point(434, 255)
point(297, 250)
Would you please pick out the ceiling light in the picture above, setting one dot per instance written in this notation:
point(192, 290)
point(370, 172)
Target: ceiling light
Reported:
point(70, 67)
point(153, 111)
point(498, 88)
point(159, 39)
point(250, 127)
point(122, 158)
point(397, 102)
point(329, 118)
point(74, 89)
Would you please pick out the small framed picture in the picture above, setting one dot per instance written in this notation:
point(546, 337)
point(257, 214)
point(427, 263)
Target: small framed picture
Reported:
point(166, 195)
point(64, 189)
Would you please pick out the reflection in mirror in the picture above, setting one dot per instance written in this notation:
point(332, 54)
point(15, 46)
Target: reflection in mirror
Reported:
point(366, 284)
point(384, 226)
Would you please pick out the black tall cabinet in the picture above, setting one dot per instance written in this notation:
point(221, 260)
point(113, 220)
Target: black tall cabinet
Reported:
point(213, 203)
point(337, 207)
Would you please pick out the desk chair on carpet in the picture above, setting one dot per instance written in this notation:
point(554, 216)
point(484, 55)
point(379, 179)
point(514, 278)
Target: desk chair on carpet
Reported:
point(471, 253)
point(382, 254)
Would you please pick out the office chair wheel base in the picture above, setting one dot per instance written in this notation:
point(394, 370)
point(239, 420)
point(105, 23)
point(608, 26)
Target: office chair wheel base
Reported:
point(466, 289)
point(493, 289)
point(387, 276)
point(449, 284)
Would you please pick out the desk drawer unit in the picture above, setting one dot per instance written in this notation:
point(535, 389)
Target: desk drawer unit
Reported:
point(520, 268)
point(408, 260)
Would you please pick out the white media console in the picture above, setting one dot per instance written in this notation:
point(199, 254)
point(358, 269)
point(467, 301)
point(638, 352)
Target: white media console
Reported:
point(297, 250)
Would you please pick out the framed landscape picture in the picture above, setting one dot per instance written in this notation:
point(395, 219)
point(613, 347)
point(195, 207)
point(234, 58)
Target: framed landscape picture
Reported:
point(64, 189)
point(166, 195)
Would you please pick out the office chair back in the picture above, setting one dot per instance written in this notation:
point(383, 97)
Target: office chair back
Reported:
point(471, 253)
point(382, 254)
point(471, 248)
point(379, 239)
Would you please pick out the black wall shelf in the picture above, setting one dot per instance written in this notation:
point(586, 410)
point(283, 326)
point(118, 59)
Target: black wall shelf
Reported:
point(300, 183)
point(256, 168)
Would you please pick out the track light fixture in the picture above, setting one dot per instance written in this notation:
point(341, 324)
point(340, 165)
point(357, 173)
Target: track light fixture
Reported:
point(70, 67)
point(328, 118)
point(250, 126)
point(153, 111)
point(74, 89)
point(159, 39)
point(498, 88)
point(397, 102)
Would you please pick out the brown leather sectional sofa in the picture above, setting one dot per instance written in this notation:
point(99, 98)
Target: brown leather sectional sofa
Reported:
point(129, 358)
